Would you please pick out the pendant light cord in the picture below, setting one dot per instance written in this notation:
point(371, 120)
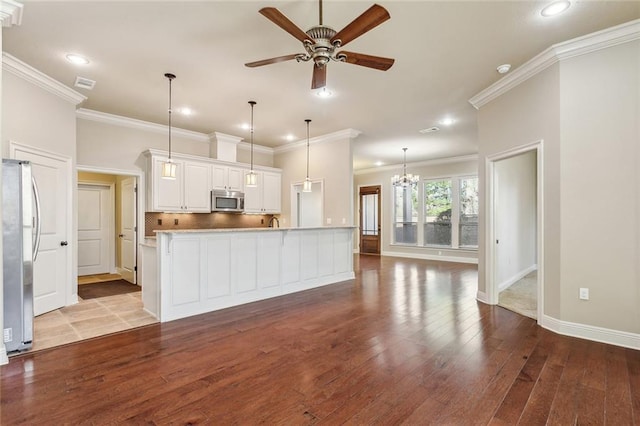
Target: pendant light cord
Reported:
point(405, 164)
point(252, 103)
point(307, 121)
point(170, 77)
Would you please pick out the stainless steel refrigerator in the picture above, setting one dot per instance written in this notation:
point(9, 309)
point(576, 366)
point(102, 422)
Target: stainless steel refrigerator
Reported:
point(20, 240)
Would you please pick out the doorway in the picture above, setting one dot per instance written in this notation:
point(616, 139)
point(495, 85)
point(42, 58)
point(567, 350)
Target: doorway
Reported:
point(107, 225)
point(515, 230)
point(307, 208)
point(370, 219)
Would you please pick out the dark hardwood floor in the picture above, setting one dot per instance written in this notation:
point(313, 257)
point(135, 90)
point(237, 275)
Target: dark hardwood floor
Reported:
point(405, 342)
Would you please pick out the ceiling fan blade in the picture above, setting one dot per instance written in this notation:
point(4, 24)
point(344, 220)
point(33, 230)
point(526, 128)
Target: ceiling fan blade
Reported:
point(271, 61)
point(369, 61)
point(319, 77)
point(275, 16)
point(370, 19)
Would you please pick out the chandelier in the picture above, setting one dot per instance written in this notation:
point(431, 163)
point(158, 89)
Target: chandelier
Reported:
point(407, 178)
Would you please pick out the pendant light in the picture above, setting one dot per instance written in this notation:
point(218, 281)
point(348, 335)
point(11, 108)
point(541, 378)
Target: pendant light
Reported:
point(169, 167)
point(306, 186)
point(407, 178)
point(251, 179)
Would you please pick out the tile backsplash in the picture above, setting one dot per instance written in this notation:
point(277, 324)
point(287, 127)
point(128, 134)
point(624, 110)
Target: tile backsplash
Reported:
point(167, 221)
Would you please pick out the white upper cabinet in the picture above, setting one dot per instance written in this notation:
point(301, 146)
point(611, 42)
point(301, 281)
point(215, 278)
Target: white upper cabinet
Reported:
point(227, 178)
point(197, 176)
point(266, 196)
point(188, 192)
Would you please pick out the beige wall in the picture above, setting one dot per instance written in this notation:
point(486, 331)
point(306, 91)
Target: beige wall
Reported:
point(585, 109)
point(383, 177)
point(35, 117)
point(528, 113)
point(330, 161)
point(600, 194)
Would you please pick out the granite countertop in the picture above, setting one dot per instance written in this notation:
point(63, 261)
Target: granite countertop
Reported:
point(186, 231)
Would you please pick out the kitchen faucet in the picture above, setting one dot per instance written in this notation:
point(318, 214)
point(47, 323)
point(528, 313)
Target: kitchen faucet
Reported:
point(271, 222)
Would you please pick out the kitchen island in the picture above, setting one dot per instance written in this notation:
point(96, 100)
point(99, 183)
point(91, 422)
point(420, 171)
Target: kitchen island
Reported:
point(190, 272)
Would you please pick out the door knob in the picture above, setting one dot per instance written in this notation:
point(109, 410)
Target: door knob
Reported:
point(63, 243)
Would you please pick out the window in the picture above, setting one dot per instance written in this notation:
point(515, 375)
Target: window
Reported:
point(451, 212)
point(469, 212)
point(405, 214)
point(437, 226)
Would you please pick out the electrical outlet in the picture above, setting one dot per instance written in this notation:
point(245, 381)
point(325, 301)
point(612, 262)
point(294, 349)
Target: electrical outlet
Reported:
point(328, 221)
point(175, 221)
point(159, 221)
point(584, 293)
point(344, 221)
point(8, 334)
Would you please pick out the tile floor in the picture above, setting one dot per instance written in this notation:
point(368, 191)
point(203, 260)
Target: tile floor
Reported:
point(90, 318)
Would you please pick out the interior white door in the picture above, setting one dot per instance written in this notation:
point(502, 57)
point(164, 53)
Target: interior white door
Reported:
point(95, 216)
point(127, 235)
point(52, 278)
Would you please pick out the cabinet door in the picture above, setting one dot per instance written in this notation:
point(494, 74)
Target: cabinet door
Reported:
point(166, 193)
point(219, 175)
point(253, 196)
point(271, 198)
point(197, 195)
point(235, 179)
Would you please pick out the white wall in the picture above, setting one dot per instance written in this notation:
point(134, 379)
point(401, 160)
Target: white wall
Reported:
point(434, 169)
point(515, 217)
point(331, 161)
point(528, 113)
point(600, 214)
point(585, 109)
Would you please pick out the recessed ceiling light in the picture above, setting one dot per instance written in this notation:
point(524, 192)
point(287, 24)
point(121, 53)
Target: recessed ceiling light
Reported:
point(77, 59)
point(447, 121)
point(324, 93)
point(504, 68)
point(378, 163)
point(290, 137)
point(245, 126)
point(555, 8)
point(429, 130)
point(185, 111)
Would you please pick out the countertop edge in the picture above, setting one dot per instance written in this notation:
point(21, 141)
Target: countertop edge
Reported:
point(219, 230)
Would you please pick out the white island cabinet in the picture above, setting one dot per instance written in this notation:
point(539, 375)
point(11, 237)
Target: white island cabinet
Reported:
point(200, 271)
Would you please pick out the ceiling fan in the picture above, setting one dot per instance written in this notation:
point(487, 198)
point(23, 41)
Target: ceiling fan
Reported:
point(321, 42)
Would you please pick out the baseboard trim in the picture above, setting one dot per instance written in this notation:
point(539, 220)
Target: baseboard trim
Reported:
point(481, 296)
point(426, 256)
point(4, 359)
point(590, 332)
point(517, 277)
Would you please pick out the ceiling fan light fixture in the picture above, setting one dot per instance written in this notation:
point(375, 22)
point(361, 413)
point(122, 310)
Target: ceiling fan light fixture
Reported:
point(324, 93)
point(504, 68)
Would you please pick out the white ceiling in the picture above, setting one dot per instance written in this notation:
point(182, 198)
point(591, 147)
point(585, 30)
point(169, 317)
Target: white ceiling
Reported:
point(445, 53)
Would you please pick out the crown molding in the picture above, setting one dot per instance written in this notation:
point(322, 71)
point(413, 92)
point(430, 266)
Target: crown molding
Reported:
point(246, 146)
point(223, 137)
point(339, 135)
point(609, 37)
point(426, 163)
point(10, 13)
point(118, 120)
point(28, 73)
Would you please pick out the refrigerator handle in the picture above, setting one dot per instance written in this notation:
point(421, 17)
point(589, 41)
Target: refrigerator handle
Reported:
point(36, 243)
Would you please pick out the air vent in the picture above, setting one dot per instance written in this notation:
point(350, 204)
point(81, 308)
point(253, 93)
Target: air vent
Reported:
point(84, 83)
point(429, 130)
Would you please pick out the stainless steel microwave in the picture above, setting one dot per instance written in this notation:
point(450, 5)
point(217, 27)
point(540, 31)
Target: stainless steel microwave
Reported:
point(227, 201)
